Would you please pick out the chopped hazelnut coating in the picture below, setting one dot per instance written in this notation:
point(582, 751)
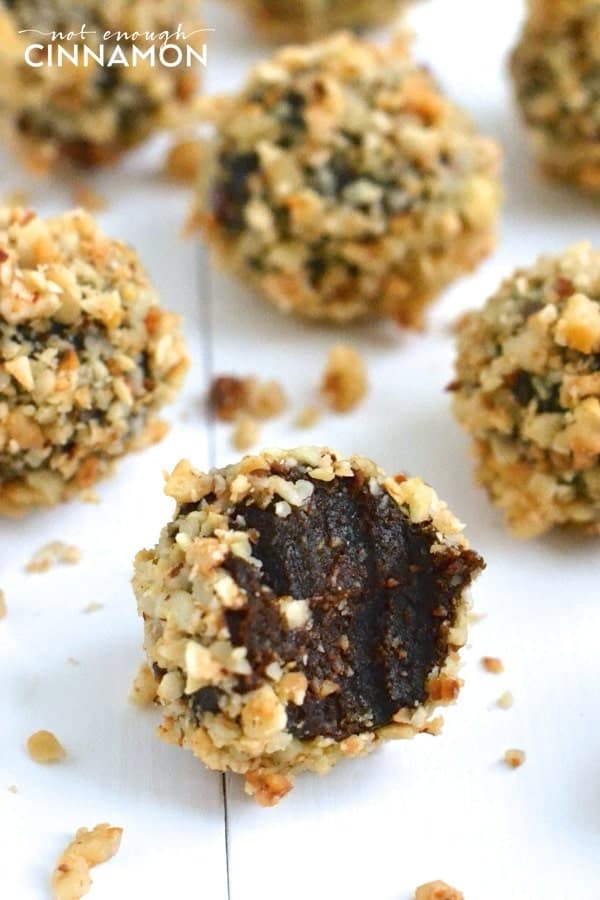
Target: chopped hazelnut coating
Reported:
point(344, 382)
point(3, 609)
point(143, 689)
point(71, 876)
point(555, 68)
point(44, 747)
point(87, 357)
point(437, 890)
point(307, 417)
point(301, 20)
point(342, 183)
point(514, 758)
point(245, 434)
point(51, 554)
point(302, 607)
point(183, 160)
point(492, 664)
point(90, 114)
point(527, 389)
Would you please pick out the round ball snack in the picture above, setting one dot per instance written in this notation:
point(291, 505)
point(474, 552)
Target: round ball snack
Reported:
point(528, 390)
point(301, 20)
point(342, 183)
point(301, 608)
point(556, 68)
point(87, 357)
point(89, 114)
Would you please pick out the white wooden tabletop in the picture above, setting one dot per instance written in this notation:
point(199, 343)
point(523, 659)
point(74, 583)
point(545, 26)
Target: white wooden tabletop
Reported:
point(415, 811)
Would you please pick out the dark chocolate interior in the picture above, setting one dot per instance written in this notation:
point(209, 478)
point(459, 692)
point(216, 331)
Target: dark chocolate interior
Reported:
point(381, 604)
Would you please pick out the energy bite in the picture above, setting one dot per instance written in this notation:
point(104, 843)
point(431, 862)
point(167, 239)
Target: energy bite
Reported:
point(300, 608)
point(87, 357)
point(342, 183)
point(556, 70)
point(90, 114)
point(527, 389)
point(301, 20)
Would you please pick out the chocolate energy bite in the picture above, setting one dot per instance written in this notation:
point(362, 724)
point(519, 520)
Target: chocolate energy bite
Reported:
point(342, 183)
point(528, 391)
point(301, 608)
point(87, 357)
point(300, 20)
point(88, 113)
point(556, 70)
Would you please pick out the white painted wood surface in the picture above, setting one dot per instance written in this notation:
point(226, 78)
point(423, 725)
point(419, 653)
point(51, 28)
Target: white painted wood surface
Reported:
point(430, 808)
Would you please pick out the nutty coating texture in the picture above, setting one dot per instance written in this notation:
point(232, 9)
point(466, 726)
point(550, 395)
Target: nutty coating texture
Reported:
point(304, 20)
point(301, 608)
point(91, 114)
point(87, 357)
point(528, 391)
point(342, 183)
point(556, 71)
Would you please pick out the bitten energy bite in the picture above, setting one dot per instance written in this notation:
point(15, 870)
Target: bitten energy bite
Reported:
point(301, 608)
point(85, 111)
point(556, 69)
point(528, 391)
point(342, 183)
point(307, 19)
point(87, 357)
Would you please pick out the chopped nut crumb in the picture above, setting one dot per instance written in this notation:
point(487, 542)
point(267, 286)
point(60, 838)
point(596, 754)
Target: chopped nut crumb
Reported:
point(230, 396)
point(344, 382)
point(307, 417)
point(505, 700)
point(437, 890)
point(492, 664)
point(88, 198)
point(51, 554)
point(183, 160)
point(143, 689)
point(92, 607)
point(17, 197)
point(245, 434)
point(514, 758)
point(3, 609)
point(44, 747)
point(267, 788)
point(71, 876)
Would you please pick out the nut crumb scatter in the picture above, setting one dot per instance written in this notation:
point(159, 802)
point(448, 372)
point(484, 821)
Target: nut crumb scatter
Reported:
point(437, 890)
point(53, 553)
point(308, 416)
point(3, 609)
point(527, 391)
point(343, 190)
point(505, 700)
point(92, 607)
point(514, 758)
point(245, 434)
point(44, 747)
point(344, 382)
point(71, 876)
point(231, 395)
point(267, 590)
point(143, 688)
point(183, 161)
point(492, 664)
point(87, 357)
